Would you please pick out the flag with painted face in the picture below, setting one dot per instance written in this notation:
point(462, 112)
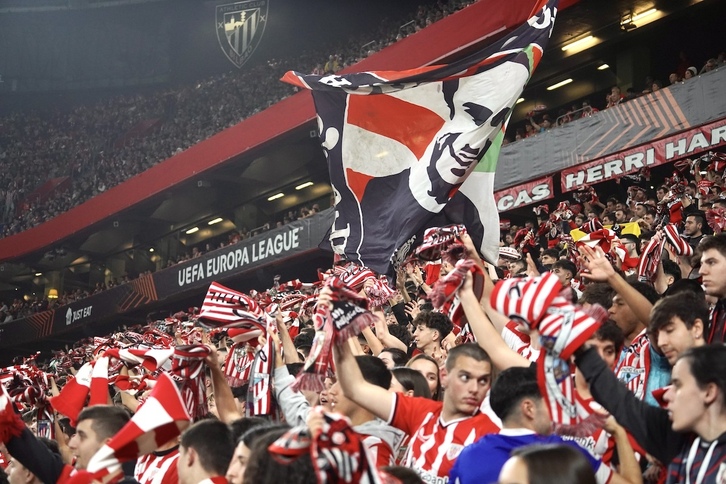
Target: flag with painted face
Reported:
point(418, 148)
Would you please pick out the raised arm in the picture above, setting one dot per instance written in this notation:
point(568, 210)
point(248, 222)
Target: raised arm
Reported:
point(600, 269)
point(486, 335)
point(223, 397)
point(373, 398)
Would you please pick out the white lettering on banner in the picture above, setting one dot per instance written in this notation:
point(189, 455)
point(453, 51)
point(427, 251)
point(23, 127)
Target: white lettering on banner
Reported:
point(73, 316)
point(659, 152)
point(524, 197)
point(234, 259)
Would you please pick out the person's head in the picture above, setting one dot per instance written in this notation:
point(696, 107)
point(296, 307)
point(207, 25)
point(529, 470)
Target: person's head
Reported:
point(96, 425)
point(672, 272)
point(608, 218)
point(713, 265)
point(597, 293)
point(430, 329)
point(661, 192)
point(374, 371)
point(693, 226)
point(517, 400)
point(549, 257)
point(205, 451)
point(565, 270)
point(241, 425)
point(698, 386)
point(241, 455)
point(405, 475)
point(467, 379)
point(547, 464)
point(409, 382)
point(263, 468)
point(691, 72)
point(393, 357)
point(608, 340)
point(623, 315)
point(429, 368)
point(686, 285)
point(620, 216)
point(678, 323)
point(17, 473)
point(631, 244)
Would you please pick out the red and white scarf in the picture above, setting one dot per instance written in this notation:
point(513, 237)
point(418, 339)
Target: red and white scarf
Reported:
point(162, 417)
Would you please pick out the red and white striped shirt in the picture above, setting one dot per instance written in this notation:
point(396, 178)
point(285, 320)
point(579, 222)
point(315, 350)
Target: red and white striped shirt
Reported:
point(435, 444)
point(158, 467)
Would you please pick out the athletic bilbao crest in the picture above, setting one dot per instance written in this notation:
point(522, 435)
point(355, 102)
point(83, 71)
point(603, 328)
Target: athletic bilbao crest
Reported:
point(240, 26)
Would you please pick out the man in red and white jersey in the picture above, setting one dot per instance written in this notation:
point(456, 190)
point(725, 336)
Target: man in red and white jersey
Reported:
point(439, 430)
point(205, 451)
point(159, 467)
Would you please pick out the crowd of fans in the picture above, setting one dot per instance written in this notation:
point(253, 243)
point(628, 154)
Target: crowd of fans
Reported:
point(583, 357)
point(591, 351)
point(103, 144)
point(540, 120)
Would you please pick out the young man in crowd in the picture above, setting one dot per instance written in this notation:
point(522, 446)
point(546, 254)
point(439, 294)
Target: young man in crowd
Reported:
point(96, 425)
point(713, 277)
point(678, 323)
point(438, 430)
point(693, 228)
point(205, 451)
point(430, 329)
point(17, 473)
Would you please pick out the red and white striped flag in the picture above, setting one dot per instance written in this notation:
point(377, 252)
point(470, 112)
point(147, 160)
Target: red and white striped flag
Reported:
point(226, 307)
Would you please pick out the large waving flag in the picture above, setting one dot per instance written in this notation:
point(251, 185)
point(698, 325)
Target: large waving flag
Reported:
point(418, 148)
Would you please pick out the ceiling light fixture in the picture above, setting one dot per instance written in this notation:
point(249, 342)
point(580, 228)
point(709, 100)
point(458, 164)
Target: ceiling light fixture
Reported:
point(38, 274)
point(151, 249)
point(215, 221)
point(275, 197)
point(304, 185)
point(641, 15)
point(521, 99)
point(559, 84)
point(603, 67)
point(192, 230)
point(578, 43)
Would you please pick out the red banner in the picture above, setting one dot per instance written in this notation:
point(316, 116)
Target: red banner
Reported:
point(687, 143)
point(524, 194)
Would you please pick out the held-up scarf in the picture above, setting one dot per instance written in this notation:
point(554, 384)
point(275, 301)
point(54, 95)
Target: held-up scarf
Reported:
point(238, 364)
point(226, 307)
point(444, 298)
point(337, 453)
point(162, 417)
point(90, 381)
point(187, 369)
point(259, 392)
point(348, 317)
point(539, 304)
point(679, 244)
point(634, 367)
point(649, 259)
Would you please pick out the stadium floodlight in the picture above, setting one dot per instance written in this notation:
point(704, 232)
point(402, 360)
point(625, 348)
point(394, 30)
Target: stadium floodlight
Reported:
point(192, 230)
point(304, 185)
point(275, 197)
point(578, 44)
point(215, 221)
point(559, 84)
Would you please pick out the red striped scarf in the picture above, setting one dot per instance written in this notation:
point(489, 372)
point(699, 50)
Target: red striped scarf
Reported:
point(634, 367)
point(337, 452)
point(226, 307)
point(162, 417)
point(238, 364)
point(650, 259)
point(91, 382)
point(187, 366)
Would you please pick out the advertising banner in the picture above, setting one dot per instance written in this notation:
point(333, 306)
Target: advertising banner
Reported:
point(524, 194)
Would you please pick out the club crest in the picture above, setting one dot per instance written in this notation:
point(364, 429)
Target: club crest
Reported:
point(240, 26)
